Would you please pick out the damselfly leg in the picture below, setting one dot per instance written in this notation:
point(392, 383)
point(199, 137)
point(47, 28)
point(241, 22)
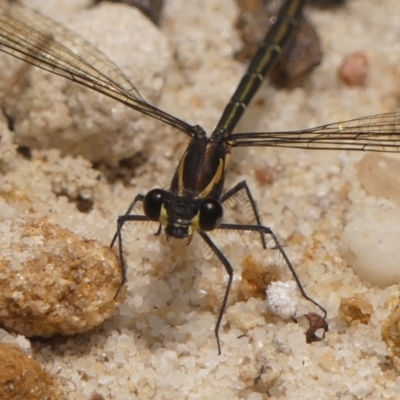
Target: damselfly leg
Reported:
point(194, 201)
point(240, 189)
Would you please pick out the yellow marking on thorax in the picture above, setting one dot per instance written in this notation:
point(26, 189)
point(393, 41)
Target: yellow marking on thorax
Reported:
point(215, 179)
point(179, 172)
point(227, 160)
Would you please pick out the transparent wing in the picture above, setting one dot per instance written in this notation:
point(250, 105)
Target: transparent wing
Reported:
point(373, 133)
point(36, 39)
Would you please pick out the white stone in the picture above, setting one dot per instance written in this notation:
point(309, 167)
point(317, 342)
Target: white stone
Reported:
point(370, 244)
point(282, 299)
point(49, 111)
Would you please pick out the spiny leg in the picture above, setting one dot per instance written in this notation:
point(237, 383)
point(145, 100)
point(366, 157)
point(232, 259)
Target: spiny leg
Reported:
point(268, 231)
point(118, 235)
point(242, 187)
point(229, 270)
point(140, 198)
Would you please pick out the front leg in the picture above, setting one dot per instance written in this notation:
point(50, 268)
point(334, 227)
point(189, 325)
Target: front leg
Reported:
point(122, 219)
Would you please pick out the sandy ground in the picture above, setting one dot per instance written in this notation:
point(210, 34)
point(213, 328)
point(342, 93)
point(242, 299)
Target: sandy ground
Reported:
point(160, 344)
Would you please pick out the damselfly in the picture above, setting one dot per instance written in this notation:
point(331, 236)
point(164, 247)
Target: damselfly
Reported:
point(195, 199)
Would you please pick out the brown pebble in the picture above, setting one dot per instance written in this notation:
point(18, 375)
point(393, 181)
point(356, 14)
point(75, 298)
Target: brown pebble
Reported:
point(301, 54)
point(354, 69)
point(97, 396)
point(391, 335)
point(22, 378)
point(355, 309)
point(265, 176)
point(54, 281)
point(256, 278)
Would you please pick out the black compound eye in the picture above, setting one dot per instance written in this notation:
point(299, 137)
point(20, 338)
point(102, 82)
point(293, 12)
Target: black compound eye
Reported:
point(152, 204)
point(210, 215)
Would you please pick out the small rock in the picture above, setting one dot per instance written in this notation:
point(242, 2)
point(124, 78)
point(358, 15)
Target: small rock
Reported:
point(22, 378)
point(370, 245)
point(54, 281)
point(355, 309)
point(391, 335)
point(354, 69)
point(378, 174)
point(256, 278)
point(52, 112)
point(283, 299)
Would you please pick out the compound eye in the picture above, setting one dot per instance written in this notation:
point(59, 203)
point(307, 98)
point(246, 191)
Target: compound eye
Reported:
point(210, 215)
point(152, 204)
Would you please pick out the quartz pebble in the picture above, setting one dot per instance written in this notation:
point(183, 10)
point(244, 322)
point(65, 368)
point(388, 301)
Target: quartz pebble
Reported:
point(282, 299)
point(378, 175)
point(370, 245)
point(53, 281)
